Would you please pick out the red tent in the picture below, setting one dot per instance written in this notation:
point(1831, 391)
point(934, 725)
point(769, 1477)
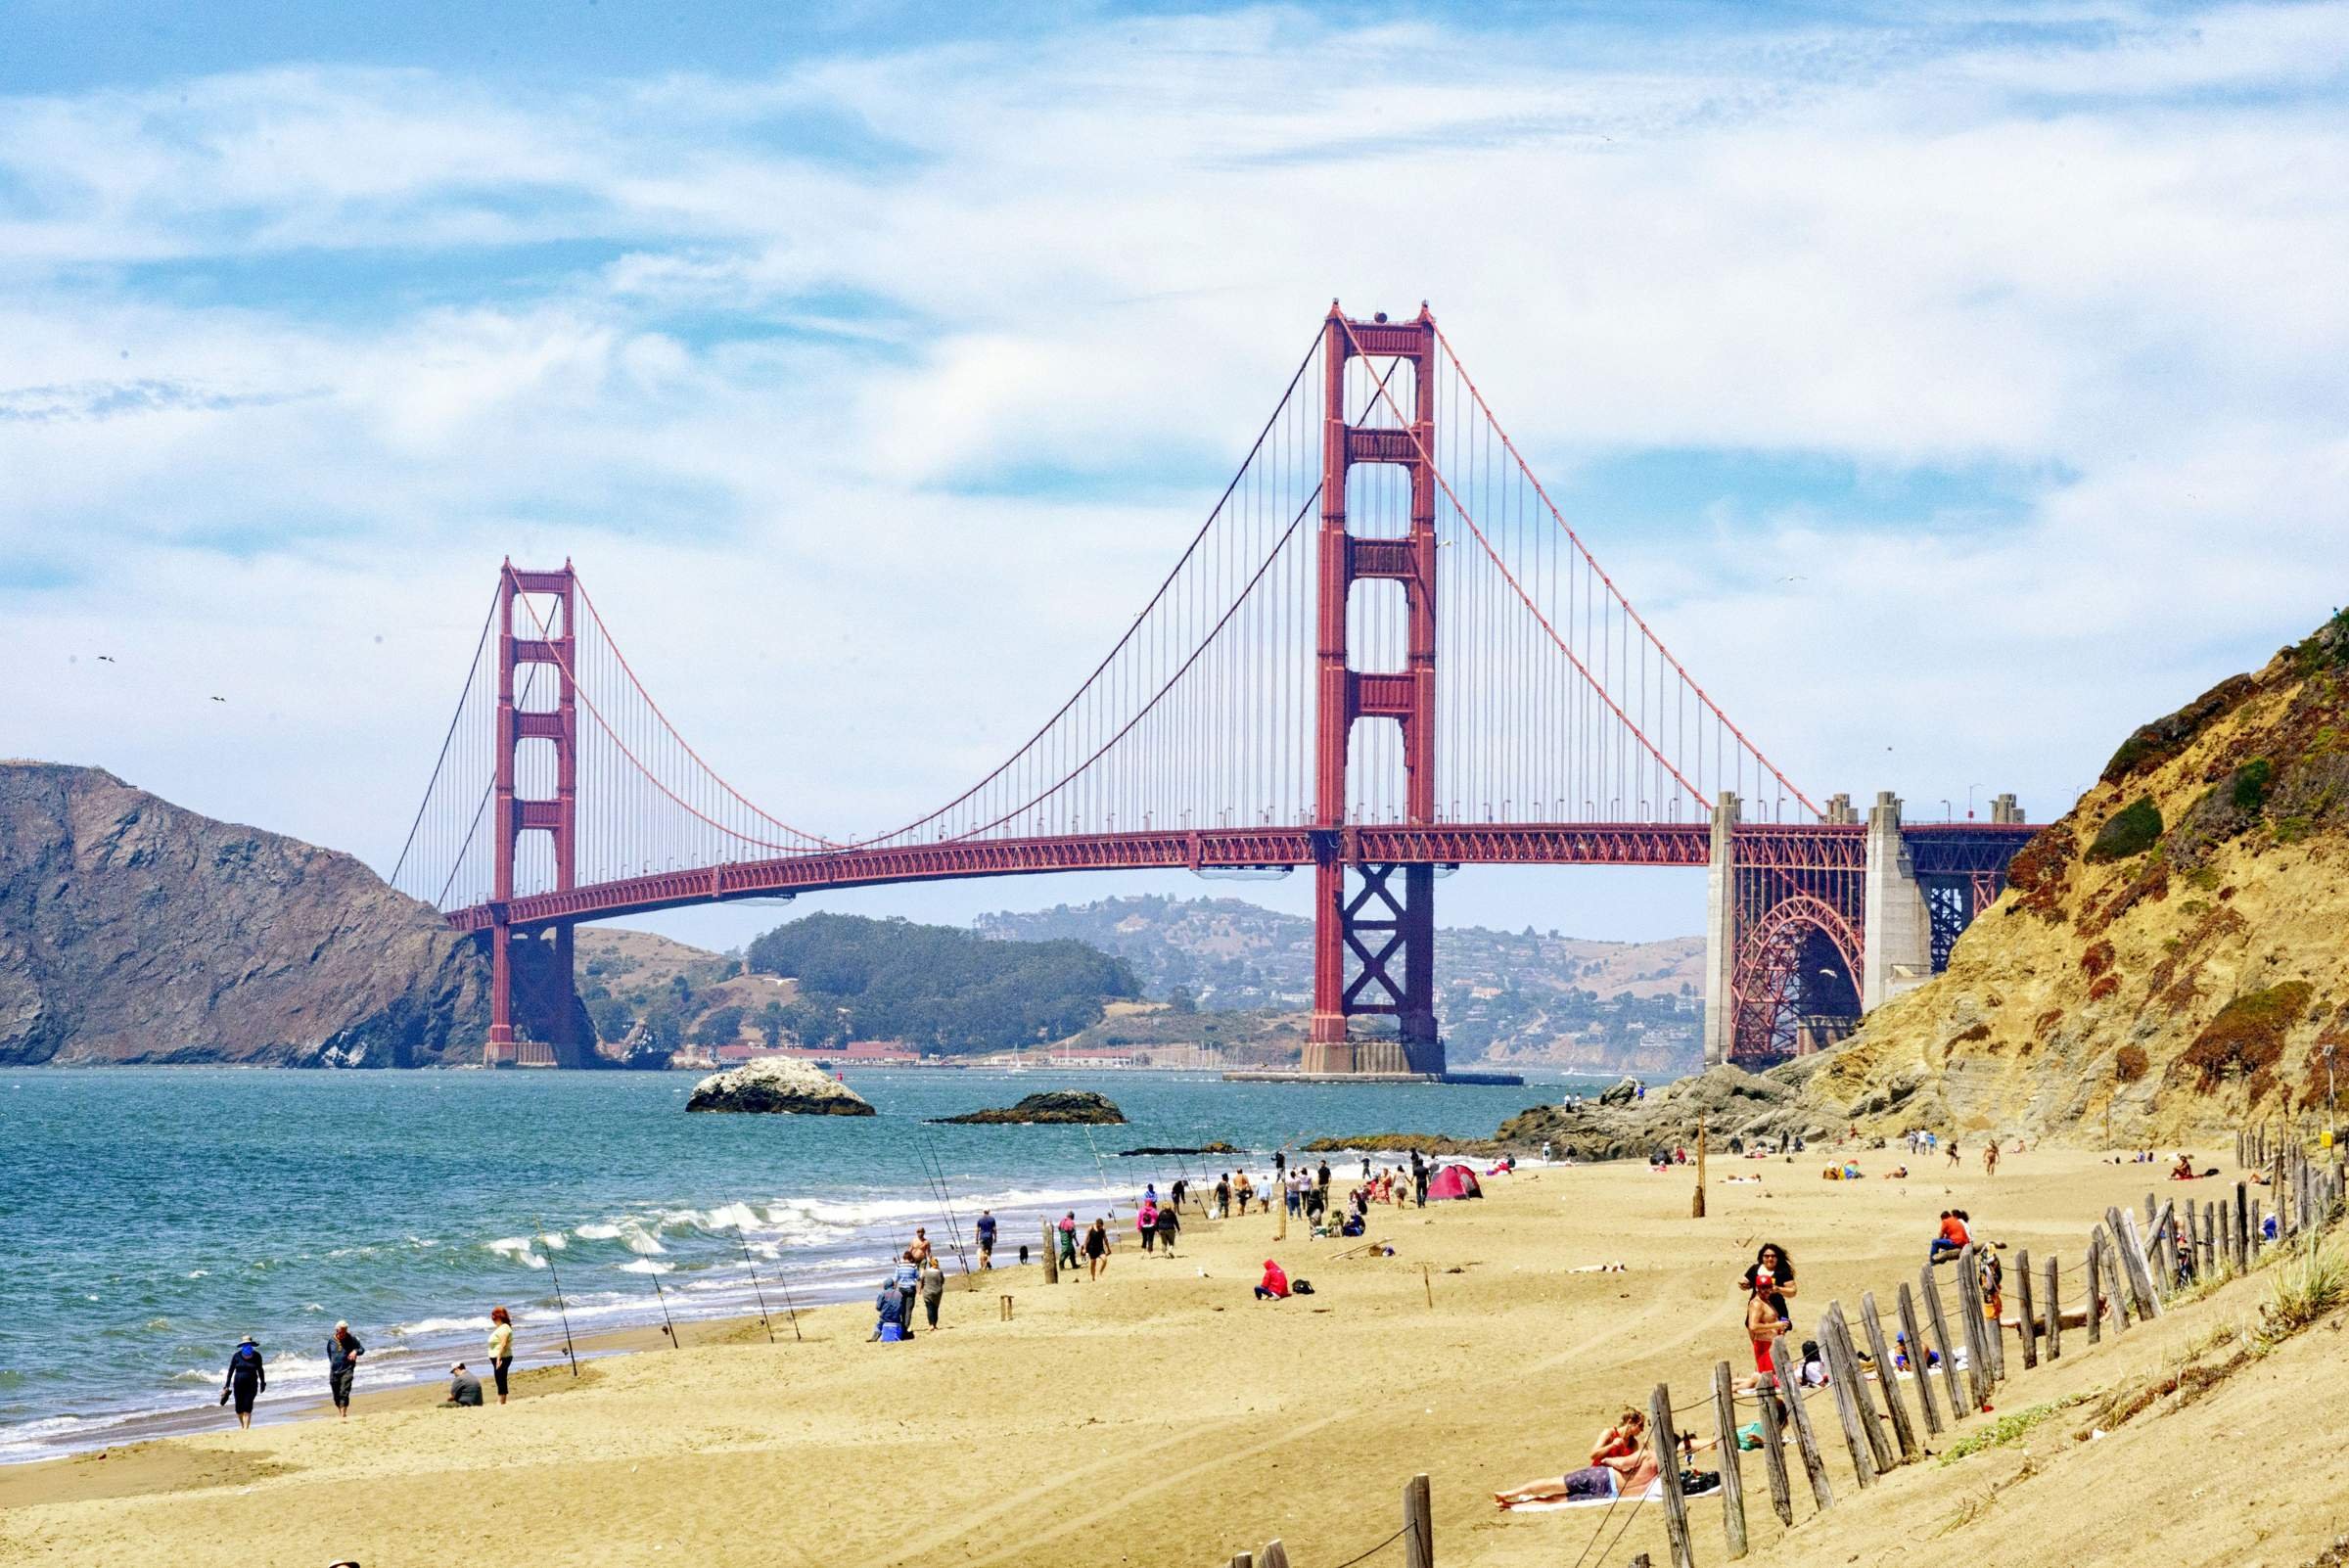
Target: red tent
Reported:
point(1453, 1181)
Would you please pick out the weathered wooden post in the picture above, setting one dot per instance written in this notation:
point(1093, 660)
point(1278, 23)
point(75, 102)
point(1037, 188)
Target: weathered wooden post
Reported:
point(1052, 1256)
point(1843, 1383)
point(1815, 1467)
point(2134, 1267)
point(1419, 1523)
point(1773, 1455)
point(1921, 1357)
point(2164, 1260)
point(1733, 1475)
point(2055, 1308)
point(1960, 1405)
point(1970, 1308)
point(2095, 1289)
point(1274, 1555)
point(2242, 1226)
point(1242, 1559)
point(1668, 1471)
point(2024, 1308)
point(2259, 1231)
point(1696, 1205)
point(1888, 1378)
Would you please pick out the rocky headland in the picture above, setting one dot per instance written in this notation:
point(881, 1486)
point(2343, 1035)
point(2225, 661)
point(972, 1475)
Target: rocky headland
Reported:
point(1068, 1106)
point(778, 1085)
point(134, 931)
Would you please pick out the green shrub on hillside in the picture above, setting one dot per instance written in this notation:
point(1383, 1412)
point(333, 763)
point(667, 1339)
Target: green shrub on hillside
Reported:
point(2249, 789)
point(2131, 831)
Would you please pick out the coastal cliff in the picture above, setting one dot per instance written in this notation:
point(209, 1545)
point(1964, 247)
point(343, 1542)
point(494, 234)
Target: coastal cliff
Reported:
point(134, 931)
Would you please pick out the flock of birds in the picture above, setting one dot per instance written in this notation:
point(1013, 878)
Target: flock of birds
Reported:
point(108, 659)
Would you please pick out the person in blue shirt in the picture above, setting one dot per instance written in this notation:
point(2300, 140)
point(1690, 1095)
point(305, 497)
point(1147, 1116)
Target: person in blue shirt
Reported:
point(908, 1283)
point(890, 1309)
point(987, 1239)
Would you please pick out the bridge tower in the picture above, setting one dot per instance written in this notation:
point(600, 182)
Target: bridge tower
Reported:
point(1374, 949)
point(534, 970)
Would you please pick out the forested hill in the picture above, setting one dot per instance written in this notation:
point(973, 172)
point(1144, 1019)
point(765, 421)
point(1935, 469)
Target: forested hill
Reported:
point(933, 987)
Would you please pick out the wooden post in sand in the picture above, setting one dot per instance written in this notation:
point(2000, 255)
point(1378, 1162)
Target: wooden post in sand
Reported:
point(1697, 1205)
point(1773, 1455)
point(1052, 1256)
point(1733, 1473)
point(2258, 1236)
point(1667, 1447)
point(1815, 1467)
point(2123, 1229)
point(1960, 1405)
point(1242, 1559)
point(2109, 1276)
point(1843, 1382)
point(2054, 1308)
point(2243, 1225)
point(1920, 1357)
point(1274, 1555)
point(1419, 1524)
point(1879, 1446)
point(2024, 1305)
point(1969, 1312)
point(2149, 1286)
point(2210, 1240)
point(1888, 1379)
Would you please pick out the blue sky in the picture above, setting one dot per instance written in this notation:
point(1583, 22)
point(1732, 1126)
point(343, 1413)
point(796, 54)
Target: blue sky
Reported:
point(1953, 387)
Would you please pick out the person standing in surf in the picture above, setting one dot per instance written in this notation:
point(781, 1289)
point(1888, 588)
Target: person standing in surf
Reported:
point(248, 1379)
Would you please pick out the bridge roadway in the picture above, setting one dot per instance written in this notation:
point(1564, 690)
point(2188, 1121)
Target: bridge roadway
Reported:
point(1943, 846)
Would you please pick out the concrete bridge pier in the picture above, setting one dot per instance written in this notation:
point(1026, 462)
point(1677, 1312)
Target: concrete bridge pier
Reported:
point(1721, 931)
point(1896, 936)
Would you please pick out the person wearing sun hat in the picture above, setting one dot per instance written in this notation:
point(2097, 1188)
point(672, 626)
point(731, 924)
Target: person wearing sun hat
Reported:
point(247, 1379)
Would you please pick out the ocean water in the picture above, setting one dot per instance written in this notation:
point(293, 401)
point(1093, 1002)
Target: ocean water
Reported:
point(155, 1215)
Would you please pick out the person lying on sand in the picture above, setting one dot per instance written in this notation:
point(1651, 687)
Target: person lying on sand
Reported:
point(1613, 1477)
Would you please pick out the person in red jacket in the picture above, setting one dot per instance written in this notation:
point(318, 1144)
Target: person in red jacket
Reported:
point(1274, 1285)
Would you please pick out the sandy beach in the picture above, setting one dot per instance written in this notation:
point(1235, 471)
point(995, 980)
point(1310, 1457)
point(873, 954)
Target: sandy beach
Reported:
point(1164, 1416)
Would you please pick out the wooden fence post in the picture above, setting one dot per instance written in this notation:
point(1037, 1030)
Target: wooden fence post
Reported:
point(1668, 1471)
point(1774, 1455)
point(2024, 1308)
point(2055, 1267)
point(2096, 1290)
point(1052, 1256)
point(1274, 1555)
point(1733, 1475)
point(1843, 1382)
point(1242, 1559)
point(1919, 1356)
point(1970, 1308)
point(1879, 1446)
point(2242, 1226)
point(2165, 1252)
point(1888, 1378)
point(1419, 1524)
point(2134, 1266)
point(1815, 1467)
point(1960, 1405)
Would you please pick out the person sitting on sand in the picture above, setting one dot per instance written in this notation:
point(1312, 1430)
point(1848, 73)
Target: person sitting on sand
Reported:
point(464, 1390)
point(2184, 1170)
point(1950, 1238)
point(888, 1312)
point(1618, 1476)
point(1274, 1286)
point(1623, 1438)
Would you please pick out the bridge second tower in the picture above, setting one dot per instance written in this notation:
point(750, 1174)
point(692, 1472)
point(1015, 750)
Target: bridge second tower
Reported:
point(1374, 941)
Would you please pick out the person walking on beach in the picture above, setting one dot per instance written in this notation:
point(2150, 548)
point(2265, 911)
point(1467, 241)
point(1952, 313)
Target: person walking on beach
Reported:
point(908, 1281)
point(1068, 1239)
point(343, 1353)
point(1169, 1222)
point(1952, 1151)
point(1763, 1326)
point(987, 1239)
point(1990, 1158)
point(1145, 1221)
point(1775, 1261)
point(1222, 1195)
point(501, 1348)
point(934, 1287)
point(1182, 1184)
point(247, 1379)
point(1322, 1177)
point(1096, 1248)
point(1419, 1179)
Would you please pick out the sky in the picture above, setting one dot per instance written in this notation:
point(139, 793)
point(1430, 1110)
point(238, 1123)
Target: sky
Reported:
point(1951, 386)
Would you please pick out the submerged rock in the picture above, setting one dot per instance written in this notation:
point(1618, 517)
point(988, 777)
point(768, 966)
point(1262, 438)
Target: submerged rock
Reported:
point(1055, 1105)
point(777, 1084)
point(1216, 1148)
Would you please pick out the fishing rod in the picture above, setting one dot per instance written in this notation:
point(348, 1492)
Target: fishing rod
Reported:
point(559, 1305)
point(754, 1290)
point(667, 1326)
point(937, 1173)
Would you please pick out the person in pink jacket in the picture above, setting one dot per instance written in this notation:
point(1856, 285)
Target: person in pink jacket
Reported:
point(1145, 1221)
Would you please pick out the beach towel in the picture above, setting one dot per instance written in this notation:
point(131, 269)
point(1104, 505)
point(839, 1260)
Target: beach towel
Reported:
point(1653, 1493)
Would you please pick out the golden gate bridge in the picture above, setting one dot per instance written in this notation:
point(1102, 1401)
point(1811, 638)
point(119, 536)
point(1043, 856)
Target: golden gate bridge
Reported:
point(1383, 653)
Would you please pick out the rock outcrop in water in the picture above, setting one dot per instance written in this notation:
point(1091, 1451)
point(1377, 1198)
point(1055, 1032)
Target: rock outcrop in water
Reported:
point(1056, 1105)
point(777, 1085)
point(134, 931)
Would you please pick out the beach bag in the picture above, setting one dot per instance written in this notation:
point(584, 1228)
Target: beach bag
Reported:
point(1301, 1287)
point(1697, 1483)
